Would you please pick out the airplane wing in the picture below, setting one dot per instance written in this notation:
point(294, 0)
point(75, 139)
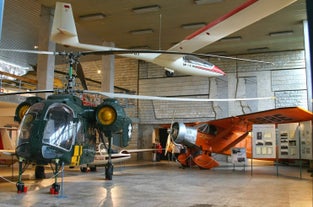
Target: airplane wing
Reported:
point(273, 116)
point(232, 130)
point(246, 14)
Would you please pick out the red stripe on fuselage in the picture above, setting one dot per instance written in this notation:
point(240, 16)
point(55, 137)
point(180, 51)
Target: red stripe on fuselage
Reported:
point(214, 69)
point(222, 18)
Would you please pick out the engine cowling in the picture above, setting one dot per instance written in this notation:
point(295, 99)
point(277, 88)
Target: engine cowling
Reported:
point(111, 118)
point(183, 134)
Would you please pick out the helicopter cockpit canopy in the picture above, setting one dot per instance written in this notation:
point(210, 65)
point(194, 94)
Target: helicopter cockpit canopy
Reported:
point(60, 126)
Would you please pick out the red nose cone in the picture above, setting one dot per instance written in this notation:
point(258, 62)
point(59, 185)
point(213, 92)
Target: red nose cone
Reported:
point(218, 70)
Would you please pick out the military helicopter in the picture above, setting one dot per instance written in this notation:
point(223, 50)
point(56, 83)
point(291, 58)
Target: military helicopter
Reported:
point(61, 130)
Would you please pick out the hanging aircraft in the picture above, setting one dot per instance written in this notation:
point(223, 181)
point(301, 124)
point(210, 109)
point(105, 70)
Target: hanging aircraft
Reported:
point(64, 32)
point(197, 141)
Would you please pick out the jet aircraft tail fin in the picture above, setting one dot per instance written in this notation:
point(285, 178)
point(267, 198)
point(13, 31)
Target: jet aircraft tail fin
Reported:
point(63, 28)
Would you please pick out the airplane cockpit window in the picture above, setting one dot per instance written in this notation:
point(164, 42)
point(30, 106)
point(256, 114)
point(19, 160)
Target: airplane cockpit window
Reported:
point(197, 61)
point(60, 127)
point(207, 129)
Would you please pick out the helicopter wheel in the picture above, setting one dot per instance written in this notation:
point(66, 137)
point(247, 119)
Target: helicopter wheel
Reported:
point(40, 172)
point(55, 188)
point(109, 171)
point(83, 169)
point(93, 169)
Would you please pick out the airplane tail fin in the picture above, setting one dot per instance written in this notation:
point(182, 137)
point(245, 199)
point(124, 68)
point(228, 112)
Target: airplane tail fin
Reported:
point(5, 141)
point(63, 28)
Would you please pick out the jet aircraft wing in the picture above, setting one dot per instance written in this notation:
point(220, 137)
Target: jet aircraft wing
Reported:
point(244, 15)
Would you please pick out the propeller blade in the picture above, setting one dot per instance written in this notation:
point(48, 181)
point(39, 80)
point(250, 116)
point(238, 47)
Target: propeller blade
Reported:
point(81, 76)
point(168, 143)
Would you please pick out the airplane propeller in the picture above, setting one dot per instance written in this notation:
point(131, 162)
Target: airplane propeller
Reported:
point(169, 137)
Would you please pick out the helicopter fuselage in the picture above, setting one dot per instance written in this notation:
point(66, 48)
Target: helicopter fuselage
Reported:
point(60, 127)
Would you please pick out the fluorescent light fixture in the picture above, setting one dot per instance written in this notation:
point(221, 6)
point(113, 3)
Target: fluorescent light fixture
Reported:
point(281, 33)
point(193, 25)
point(92, 17)
point(200, 2)
point(141, 31)
point(228, 39)
point(218, 53)
point(146, 9)
point(258, 49)
point(13, 69)
point(140, 47)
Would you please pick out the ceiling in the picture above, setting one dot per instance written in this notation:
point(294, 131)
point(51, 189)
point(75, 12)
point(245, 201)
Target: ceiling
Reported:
point(22, 19)
point(166, 25)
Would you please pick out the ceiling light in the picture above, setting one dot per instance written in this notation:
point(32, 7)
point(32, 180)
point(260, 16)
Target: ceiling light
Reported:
point(92, 17)
point(142, 31)
point(193, 25)
point(227, 39)
point(282, 33)
point(146, 9)
point(140, 47)
point(200, 2)
point(258, 49)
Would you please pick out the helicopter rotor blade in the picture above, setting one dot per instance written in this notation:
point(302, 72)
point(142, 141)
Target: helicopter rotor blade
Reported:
point(40, 52)
point(81, 76)
point(160, 98)
point(134, 51)
point(138, 51)
point(26, 92)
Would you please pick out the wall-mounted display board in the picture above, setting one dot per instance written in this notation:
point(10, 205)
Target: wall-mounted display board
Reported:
point(306, 140)
point(288, 141)
point(264, 141)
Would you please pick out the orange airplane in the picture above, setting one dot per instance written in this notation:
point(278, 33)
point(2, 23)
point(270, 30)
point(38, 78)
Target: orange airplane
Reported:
point(197, 141)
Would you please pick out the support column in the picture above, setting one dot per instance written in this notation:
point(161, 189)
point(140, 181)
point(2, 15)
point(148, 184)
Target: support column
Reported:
point(309, 11)
point(107, 83)
point(46, 63)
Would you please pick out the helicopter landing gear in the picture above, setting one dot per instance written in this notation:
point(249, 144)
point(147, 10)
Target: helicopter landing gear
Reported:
point(55, 188)
point(21, 188)
point(109, 171)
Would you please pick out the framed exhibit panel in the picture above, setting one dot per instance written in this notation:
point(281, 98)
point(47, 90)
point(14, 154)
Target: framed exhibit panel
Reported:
point(288, 141)
point(306, 140)
point(239, 155)
point(264, 141)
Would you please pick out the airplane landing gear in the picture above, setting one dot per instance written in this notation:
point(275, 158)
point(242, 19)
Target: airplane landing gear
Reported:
point(169, 73)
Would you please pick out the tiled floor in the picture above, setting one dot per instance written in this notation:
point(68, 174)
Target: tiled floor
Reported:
point(165, 184)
